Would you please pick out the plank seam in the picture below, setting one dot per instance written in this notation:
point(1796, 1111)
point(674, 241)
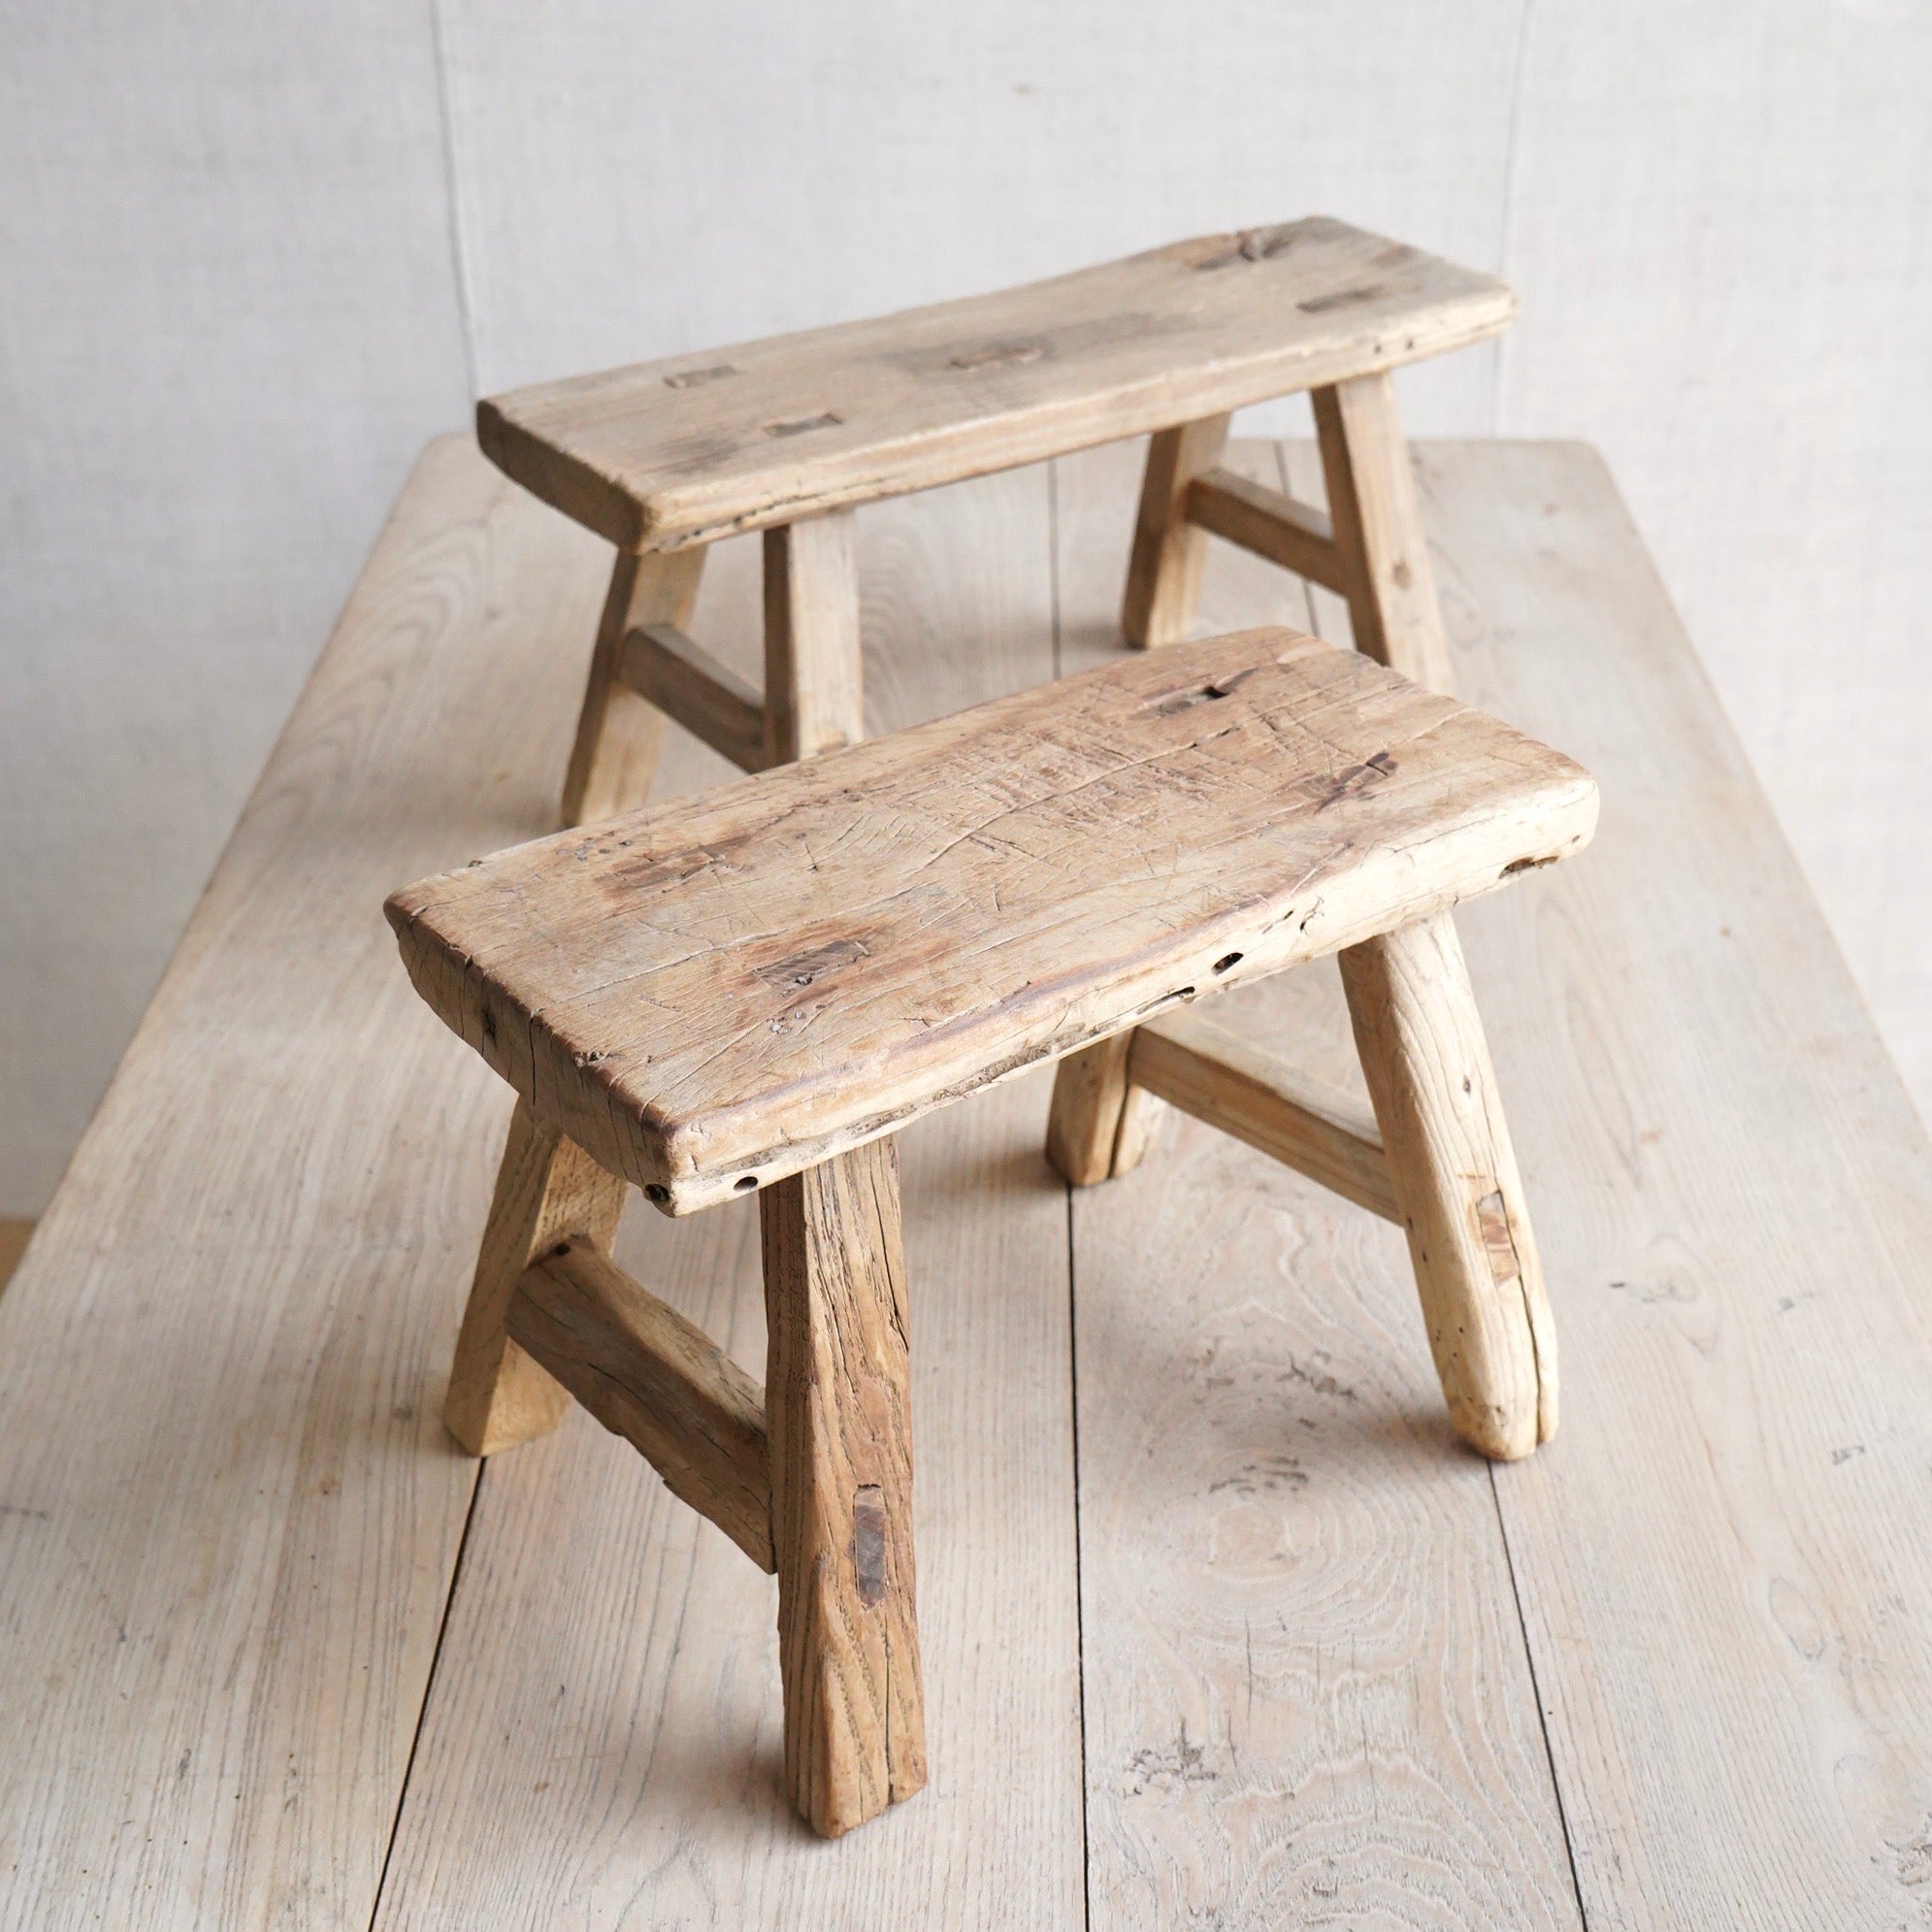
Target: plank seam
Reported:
point(428, 1691)
point(1536, 1696)
point(1072, 1320)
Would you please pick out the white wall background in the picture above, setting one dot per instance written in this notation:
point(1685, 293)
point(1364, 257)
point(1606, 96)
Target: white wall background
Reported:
point(252, 258)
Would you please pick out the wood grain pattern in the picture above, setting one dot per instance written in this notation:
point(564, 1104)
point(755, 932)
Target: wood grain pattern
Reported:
point(814, 673)
point(1210, 1068)
point(546, 1188)
point(1452, 1170)
point(1734, 1194)
point(838, 1396)
point(678, 451)
point(652, 1377)
point(635, 1773)
point(1263, 520)
point(1384, 550)
point(615, 750)
point(817, 953)
point(1164, 568)
point(1306, 1694)
point(231, 1509)
point(679, 677)
point(1083, 1123)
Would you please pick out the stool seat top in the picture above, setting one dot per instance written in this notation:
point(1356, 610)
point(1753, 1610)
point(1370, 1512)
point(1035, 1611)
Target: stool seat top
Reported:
point(663, 454)
point(711, 994)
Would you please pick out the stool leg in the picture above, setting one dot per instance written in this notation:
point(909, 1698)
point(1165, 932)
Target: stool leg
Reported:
point(1164, 570)
point(1378, 526)
point(839, 1422)
point(614, 757)
point(1101, 1123)
point(814, 677)
point(547, 1188)
point(1455, 1183)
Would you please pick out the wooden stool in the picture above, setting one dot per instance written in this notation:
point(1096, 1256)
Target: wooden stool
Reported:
point(784, 436)
point(754, 988)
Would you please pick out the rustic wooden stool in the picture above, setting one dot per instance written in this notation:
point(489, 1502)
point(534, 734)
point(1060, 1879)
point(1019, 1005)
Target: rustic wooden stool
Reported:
point(784, 436)
point(754, 988)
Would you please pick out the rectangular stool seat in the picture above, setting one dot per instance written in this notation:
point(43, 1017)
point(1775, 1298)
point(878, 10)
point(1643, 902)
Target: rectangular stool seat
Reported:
point(664, 454)
point(712, 994)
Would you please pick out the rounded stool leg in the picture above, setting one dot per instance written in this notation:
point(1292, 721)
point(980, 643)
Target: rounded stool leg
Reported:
point(547, 1190)
point(1456, 1182)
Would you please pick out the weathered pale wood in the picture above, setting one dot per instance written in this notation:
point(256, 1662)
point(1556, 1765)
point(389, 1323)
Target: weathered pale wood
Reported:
point(657, 1380)
point(668, 453)
point(814, 676)
point(618, 732)
point(1306, 1695)
point(547, 1188)
point(1734, 1197)
point(1294, 535)
point(1165, 565)
point(838, 1409)
point(1388, 578)
point(1207, 1068)
point(1455, 1183)
point(231, 1511)
point(682, 679)
point(981, 892)
point(1083, 1122)
point(602, 1744)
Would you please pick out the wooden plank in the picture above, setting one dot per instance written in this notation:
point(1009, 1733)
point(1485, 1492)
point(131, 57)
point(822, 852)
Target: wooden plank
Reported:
point(835, 1309)
point(684, 680)
point(1734, 1195)
point(1274, 526)
point(1213, 1070)
point(231, 1509)
point(1307, 1695)
point(603, 1740)
point(653, 1378)
point(829, 949)
point(667, 453)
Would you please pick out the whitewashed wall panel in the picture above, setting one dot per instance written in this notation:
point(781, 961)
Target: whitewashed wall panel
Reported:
point(638, 181)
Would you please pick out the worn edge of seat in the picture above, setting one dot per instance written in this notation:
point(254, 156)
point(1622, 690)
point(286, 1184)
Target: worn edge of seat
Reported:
point(690, 512)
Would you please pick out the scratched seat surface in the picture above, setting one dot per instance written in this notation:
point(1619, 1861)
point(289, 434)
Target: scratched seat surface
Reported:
point(711, 994)
point(682, 450)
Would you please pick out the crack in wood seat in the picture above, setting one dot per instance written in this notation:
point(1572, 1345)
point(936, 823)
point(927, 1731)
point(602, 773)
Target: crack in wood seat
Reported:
point(751, 991)
point(787, 434)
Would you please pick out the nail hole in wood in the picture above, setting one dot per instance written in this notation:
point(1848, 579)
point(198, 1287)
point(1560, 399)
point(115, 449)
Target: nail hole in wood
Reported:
point(744, 1183)
point(1228, 962)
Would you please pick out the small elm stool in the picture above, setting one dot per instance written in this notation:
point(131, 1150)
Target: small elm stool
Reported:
point(786, 435)
point(753, 988)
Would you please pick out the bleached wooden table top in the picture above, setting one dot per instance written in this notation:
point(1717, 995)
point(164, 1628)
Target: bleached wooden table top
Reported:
point(1220, 1624)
